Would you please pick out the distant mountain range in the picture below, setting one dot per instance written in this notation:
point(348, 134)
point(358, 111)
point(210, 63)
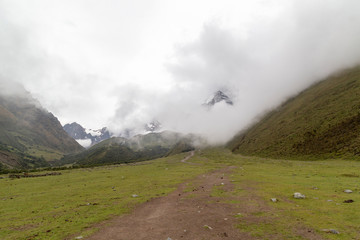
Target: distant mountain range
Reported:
point(86, 137)
point(137, 148)
point(90, 137)
point(30, 136)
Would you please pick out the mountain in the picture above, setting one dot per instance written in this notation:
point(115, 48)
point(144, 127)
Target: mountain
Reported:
point(86, 137)
point(323, 121)
point(30, 135)
point(152, 126)
point(219, 96)
point(137, 148)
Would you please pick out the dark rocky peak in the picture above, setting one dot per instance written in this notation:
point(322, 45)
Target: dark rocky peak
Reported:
point(75, 130)
point(219, 96)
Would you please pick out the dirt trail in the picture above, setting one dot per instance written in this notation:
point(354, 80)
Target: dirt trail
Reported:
point(180, 215)
point(191, 212)
point(188, 157)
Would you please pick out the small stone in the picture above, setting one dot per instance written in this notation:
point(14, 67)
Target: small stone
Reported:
point(79, 237)
point(225, 219)
point(169, 238)
point(333, 231)
point(273, 199)
point(315, 188)
point(348, 191)
point(298, 195)
point(208, 227)
point(329, 200)
point(135, 195)
point(222, 183)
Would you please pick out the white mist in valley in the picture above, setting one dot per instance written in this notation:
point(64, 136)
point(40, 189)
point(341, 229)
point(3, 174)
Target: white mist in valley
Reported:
point(259, 65)
point(124, 64)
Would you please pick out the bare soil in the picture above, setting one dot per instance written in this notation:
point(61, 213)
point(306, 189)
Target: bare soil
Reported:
point(192, 213)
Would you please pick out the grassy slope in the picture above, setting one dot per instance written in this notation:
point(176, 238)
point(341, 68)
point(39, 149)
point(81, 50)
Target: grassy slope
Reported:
point(322, 121)
point(30, 134)
point(57, 206)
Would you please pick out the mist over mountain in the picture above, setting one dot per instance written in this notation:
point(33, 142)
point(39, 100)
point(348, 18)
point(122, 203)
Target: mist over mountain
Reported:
point(153, 126)
point(134, 149)
point(86, 137)
point(29, 134)
point(323, 121)
point(219, 96)
point(263, 52)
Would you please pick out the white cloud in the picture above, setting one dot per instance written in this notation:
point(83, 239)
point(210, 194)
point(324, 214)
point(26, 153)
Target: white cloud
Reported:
point(123, 63)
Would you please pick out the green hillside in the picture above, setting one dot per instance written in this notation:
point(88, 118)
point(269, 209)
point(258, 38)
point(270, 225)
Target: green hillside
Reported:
point(29, 135)
point(135, 149)
point(321, 122)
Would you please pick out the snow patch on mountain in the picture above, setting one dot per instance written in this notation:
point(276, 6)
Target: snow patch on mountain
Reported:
point(94, 133)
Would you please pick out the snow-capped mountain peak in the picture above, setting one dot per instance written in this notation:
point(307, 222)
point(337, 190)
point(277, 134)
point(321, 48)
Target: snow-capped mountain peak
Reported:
point(218, 96)
point(153, 126)
point(86, 137)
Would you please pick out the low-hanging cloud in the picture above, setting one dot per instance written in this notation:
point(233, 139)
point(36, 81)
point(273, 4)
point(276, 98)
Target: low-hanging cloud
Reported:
point(259, 62)
point(273, 59)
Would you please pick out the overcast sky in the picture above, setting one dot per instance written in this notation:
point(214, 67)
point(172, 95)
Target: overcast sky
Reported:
point(122, 63)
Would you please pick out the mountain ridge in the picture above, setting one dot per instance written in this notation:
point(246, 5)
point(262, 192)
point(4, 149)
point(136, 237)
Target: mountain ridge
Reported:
point(30, 136)
point(138, 148)
point(323, 121)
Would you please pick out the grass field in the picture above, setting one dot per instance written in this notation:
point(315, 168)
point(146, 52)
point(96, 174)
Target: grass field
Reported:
point(323, 183)
point(66, 206)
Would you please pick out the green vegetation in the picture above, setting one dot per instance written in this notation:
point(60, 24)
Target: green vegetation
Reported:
point(257, 180)
point(321, 122)
point(56, 207)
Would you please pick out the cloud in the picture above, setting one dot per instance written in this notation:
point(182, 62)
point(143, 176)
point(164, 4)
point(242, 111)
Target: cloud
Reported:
point(276, 58)
point(103, 71)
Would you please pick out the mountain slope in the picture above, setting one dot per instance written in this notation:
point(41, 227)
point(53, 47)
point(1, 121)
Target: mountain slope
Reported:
point(137, 148)
point(322, 121)
point(29, 134)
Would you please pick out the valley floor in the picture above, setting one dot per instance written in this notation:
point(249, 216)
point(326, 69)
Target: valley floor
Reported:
point(212, 195)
